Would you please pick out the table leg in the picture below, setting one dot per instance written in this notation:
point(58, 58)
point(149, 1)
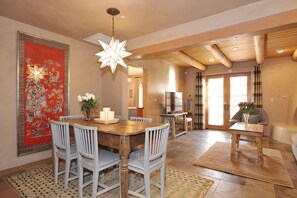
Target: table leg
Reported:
point(173, 127)
point(124, 155)
point(185, 123)
point(260, 151)
point(237, 139)
point(233, 147)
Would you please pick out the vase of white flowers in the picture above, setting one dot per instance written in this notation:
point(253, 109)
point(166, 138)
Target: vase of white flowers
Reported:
point(88, 102)
point(246, 108)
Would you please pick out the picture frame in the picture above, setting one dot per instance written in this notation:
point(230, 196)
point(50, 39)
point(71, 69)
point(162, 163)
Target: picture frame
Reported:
point(42, 90)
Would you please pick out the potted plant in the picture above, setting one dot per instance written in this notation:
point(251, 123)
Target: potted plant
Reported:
point(88, 102)
point(246, 108)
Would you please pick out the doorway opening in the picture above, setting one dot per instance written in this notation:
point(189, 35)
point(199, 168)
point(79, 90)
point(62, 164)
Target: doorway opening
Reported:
point(135, 92)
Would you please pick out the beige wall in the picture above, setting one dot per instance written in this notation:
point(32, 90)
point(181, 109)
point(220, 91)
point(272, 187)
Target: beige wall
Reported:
point(279, 90)
point(115, 90)
point(161, 76)
point(84, 77)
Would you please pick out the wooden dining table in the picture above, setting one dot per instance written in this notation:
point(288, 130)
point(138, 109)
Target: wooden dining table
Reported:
point(122, 136)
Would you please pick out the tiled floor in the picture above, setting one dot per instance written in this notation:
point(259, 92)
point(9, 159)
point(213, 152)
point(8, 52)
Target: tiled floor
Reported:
point(183, 150)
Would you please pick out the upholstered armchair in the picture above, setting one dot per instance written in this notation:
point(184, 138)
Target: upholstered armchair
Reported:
point(258, 116)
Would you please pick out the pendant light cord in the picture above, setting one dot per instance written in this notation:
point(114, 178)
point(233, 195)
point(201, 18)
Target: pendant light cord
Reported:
point(112, 26)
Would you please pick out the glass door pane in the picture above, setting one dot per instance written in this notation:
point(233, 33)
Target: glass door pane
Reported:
point(238, 92)
point(216, 101)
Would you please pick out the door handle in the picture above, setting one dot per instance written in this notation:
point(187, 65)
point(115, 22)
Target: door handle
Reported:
point(226, 107)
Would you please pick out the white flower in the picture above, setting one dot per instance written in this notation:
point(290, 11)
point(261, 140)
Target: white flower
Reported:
point(79, 98)
point(92, 96)
point(89, 96)
point(84, 98)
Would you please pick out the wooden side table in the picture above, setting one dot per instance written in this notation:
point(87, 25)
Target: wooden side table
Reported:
point(173, 118)
point(253, 130)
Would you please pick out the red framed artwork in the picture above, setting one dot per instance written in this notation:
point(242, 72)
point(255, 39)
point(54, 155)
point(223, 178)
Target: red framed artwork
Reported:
point(42, 90)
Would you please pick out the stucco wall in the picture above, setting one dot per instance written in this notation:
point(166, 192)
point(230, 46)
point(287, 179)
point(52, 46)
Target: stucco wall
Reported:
point(115, 90)
point(84, 77)
point(279, 89)
point(161, 76)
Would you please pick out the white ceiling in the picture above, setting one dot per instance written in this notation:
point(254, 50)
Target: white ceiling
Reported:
point(80, 19)
point(156, 27)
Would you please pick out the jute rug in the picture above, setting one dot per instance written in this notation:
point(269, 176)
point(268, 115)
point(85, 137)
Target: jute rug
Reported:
point(273, 171)
point(39, 183)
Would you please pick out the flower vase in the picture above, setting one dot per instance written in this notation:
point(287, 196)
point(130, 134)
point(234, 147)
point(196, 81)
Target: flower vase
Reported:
point(88, 114)
point(246, 118)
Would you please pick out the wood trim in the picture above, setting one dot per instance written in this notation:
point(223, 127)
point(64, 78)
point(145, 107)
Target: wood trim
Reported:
point(294, 56)
point(259, 44)
point(188, 59)
point(219, 55)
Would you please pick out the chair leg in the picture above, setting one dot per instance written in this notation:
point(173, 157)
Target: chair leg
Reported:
point(67, 170)
point(80, 170)
point(147, 183)
point(162, 179)
point(95, 183)
point(56, 169)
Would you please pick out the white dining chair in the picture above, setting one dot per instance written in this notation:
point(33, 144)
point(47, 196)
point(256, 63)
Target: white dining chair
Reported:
point(91, 158)
point(71, 117)
point(151, 159)
point(138, 119)
point(62, 149)
point(141, 119)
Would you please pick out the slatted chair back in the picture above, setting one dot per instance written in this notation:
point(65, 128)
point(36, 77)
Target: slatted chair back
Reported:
point(71, 117)
point(156, 139)
point(141, 119)
point(86, 142)
point(60, 135)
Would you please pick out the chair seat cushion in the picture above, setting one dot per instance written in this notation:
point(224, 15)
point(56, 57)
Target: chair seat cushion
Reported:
point(105, 158)
point(136, 160)
point(72, 151)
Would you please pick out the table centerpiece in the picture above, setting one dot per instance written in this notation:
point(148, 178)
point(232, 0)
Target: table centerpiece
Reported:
point(246, 108)
point(88, 102)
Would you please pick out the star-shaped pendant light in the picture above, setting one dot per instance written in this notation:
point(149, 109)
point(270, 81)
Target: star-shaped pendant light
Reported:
point(113, 53)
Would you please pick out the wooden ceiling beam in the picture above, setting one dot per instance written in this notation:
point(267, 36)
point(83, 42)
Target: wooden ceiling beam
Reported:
point(294, 56)
point(188, 59)
point(259, 45)
point(219, 55)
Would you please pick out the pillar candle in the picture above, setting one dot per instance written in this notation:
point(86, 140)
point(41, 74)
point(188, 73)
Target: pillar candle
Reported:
point(102, 115)
point(111, 115)
point(106, 111)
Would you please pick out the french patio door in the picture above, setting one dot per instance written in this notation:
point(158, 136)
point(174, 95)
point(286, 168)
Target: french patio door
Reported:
point(223, 93)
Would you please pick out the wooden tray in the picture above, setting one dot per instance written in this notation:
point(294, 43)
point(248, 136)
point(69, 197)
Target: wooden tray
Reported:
point(98, 120)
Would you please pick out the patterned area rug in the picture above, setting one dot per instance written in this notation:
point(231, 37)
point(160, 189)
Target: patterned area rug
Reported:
point(39, 183)
point(273, 171)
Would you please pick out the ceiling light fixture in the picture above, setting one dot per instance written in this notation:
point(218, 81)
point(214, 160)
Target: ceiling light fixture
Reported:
point(211, 60)
point(113, 53)
point(279, 51)
point(235, 48)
